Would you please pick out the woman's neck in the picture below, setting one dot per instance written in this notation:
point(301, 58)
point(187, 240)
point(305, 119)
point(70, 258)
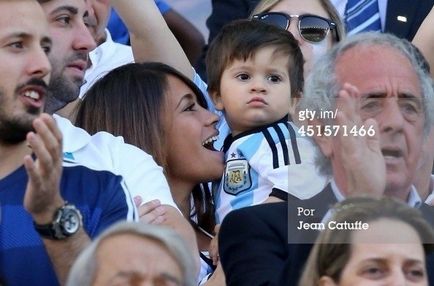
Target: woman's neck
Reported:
point(181, 193)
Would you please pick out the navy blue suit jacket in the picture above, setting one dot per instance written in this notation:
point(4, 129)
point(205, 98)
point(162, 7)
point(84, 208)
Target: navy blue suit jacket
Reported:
point(414, 10)
point(254, 248)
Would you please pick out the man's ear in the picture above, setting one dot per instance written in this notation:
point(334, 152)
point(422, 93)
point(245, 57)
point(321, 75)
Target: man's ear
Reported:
point(326, 281)
point(217, 99)
point(325, 143)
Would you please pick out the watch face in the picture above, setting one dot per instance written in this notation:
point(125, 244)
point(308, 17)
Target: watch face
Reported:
point(70, 221)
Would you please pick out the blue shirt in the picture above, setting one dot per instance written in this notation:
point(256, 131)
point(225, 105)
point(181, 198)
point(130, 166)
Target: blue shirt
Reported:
point(98, 195)
point(119, 31)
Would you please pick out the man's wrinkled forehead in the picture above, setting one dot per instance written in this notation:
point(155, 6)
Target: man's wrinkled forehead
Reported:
point(375, 67)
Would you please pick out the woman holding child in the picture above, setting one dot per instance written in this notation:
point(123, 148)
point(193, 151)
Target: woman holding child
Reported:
point(168, 119)
point(162, 112)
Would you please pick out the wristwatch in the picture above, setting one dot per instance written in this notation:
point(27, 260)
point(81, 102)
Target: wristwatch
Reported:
point(66, 222)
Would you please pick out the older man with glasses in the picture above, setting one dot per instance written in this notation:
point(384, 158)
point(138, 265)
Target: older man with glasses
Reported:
point(376, 82)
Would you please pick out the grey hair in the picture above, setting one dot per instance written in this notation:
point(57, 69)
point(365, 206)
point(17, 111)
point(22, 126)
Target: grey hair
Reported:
point(322, 85)
point(83, 271)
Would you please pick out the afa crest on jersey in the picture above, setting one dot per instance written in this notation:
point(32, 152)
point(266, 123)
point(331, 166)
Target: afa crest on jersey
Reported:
point(237, 176)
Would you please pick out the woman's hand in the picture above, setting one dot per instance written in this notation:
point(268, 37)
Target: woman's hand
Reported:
point(214, 246)
point(151, 212)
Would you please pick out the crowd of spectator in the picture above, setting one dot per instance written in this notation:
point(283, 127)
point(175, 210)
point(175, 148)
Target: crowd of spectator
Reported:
point(295, 148)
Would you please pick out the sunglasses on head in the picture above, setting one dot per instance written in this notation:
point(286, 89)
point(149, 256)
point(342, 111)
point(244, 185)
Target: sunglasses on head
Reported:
point(312, 28)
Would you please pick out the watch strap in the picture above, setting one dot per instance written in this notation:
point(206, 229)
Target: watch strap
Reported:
point(46, 230)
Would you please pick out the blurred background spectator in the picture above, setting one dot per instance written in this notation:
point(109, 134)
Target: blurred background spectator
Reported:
point(187, 25)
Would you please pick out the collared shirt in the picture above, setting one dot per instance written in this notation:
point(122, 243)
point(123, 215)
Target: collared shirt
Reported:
point(99, 194)
point(106, 57)
point(430, 199)
point(103, 151)
point(413, 199)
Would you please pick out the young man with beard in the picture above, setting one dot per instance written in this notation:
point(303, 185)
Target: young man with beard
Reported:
point(48, 212)
point(68, 22)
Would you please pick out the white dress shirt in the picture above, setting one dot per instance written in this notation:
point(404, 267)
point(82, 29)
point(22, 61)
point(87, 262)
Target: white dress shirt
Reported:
point(106, 57)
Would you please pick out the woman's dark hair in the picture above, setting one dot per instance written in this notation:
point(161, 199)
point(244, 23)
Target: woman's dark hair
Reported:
point(130, 101)
point(241, 40)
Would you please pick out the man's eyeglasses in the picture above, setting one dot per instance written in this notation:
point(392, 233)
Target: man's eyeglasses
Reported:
point(312, 28)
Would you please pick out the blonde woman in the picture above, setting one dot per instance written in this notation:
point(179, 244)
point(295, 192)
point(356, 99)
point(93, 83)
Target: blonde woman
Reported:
point(314, 23)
